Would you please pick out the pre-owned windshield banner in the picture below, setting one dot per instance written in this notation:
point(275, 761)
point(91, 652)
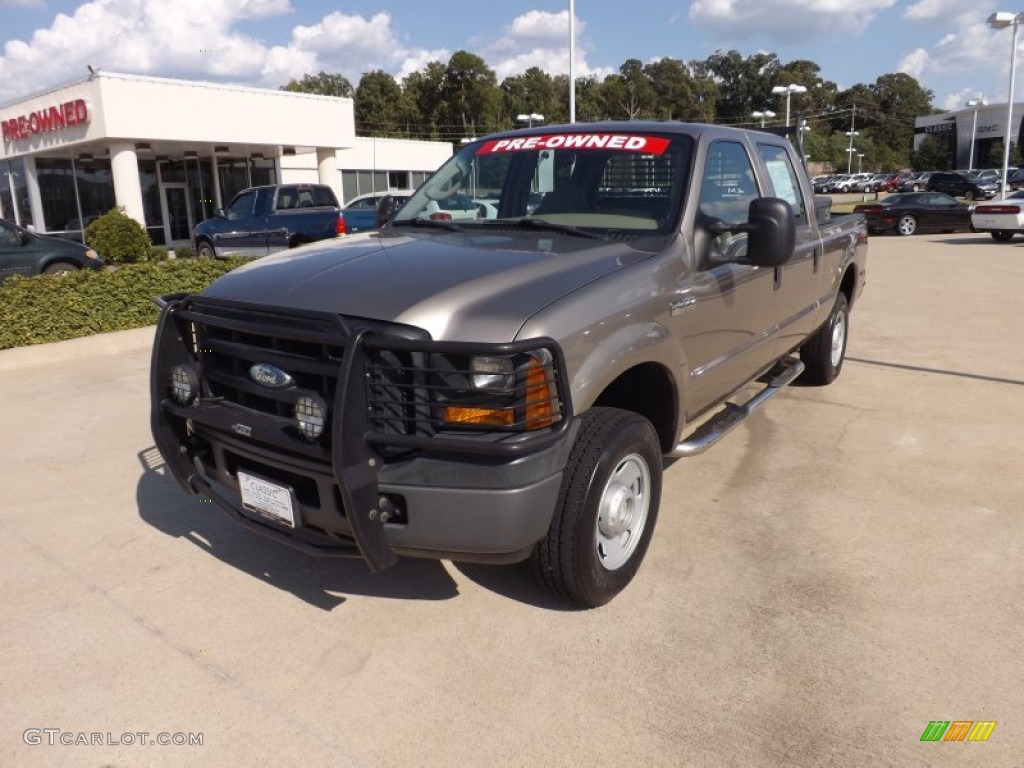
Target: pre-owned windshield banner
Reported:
point(624, 142)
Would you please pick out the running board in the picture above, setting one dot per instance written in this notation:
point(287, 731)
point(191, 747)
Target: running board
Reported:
point(719, 425)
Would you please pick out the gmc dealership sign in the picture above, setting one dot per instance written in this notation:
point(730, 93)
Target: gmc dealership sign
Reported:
point(48, 119)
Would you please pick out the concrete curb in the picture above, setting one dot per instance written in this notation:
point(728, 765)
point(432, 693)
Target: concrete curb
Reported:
point(88, 346)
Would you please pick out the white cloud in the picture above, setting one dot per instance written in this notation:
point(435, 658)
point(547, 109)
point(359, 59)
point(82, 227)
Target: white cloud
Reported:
point(540, 39)
point(190, 38)
point(939, 10)
point(786, 21)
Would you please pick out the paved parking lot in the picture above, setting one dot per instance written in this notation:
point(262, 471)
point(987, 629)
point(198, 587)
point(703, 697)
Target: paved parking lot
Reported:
point(835, 575)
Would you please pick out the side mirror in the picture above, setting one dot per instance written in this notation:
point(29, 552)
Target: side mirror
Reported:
point(385, 209)
point(770, 228)
point(772, 232)
point(219, 213)
point(25, 238)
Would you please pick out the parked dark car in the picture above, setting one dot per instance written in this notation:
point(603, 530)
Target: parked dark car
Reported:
point(1015, 179)
point(26, 253)
point(910, 212)
point(960, 184)
point(915, 182)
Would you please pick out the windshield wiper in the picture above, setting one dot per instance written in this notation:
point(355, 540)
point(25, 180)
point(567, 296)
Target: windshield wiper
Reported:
point(530, 222)
point(451, 226)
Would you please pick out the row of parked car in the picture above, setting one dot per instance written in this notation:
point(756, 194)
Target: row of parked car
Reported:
point(971, 185)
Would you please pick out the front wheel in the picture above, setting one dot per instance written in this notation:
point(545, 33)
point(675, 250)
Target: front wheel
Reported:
point(60, 268)
point(1002, 236)
point(969, 195)
point(907, 225)
point(823, 353)
point(606, 510)
point(205, 251)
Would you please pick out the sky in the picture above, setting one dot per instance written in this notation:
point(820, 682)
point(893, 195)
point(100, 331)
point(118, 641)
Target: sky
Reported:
point(946, 44)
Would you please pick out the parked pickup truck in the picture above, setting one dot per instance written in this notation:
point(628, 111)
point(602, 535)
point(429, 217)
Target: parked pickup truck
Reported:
point(496, 389)
point(262, 220)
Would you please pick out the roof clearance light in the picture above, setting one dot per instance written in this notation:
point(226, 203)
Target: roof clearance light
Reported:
point(310, 416)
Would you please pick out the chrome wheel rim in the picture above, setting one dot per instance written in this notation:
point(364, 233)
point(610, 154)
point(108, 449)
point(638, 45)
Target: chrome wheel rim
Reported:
point(622, 512)
point(907, 226)
point(838, 340)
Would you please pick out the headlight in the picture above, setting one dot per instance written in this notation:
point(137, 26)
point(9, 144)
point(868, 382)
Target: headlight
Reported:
point(184, 384)
point(310, 416)
point(491, 372)
point(517, 392)
point(91, 254)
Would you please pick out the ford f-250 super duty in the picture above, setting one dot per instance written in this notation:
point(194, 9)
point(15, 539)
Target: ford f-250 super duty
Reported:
point(494, 389)
point(263, 220)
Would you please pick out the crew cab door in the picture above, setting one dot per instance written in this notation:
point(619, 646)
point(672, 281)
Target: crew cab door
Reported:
point(798, 282)
point(724, 311)
point(243, 230)
point(16, 256)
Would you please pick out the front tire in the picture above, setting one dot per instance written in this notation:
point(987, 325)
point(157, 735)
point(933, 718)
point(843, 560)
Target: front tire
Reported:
point(1002, 236)
point(823, 353)
point(907, 225)
point(606, 510)
point(205, 251)
point(60, 268)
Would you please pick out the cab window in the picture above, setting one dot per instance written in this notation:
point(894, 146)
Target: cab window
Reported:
point(242, 206)
point(785, 182)
point(727, 188)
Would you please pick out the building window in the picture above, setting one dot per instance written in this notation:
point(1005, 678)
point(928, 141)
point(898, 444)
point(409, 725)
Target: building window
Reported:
point(234, 176)
point(56, 179)
point(151, 207)
point(14, 193)
point(95, 188)
point(263, 172)
point(355, 183)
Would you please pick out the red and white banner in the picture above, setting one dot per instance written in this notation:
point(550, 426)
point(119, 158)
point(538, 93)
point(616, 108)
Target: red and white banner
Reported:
point(625, 142)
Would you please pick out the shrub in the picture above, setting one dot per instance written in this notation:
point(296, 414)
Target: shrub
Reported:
point(37, 310)
point(118, 238)
point(159, 253)
point(184, 252)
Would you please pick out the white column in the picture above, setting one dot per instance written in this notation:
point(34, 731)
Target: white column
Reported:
point(124, 165)
point(327, 169)
point(217, 202)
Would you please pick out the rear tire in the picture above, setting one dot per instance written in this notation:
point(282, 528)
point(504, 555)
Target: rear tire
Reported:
point(823, 353)
point(907, 225)
point(606, 511)
point(1002, 236)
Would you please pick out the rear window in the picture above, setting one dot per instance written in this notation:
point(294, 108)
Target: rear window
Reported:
point(292, 196)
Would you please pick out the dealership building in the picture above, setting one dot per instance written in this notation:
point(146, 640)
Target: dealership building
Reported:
point(985, 124)
point(170, 152)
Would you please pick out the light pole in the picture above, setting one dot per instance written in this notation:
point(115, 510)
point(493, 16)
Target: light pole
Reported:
point(978, 102)
point(851, 150)
point(1001, 20)
point(789, 90)
point(529, 119)
point(572, 62)
point(860, 158)
point(761, 114)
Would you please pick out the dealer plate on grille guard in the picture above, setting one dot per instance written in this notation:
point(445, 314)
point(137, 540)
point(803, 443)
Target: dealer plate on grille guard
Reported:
point(268, 499)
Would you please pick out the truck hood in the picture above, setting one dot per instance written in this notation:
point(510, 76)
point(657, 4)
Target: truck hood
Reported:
point(469, 286)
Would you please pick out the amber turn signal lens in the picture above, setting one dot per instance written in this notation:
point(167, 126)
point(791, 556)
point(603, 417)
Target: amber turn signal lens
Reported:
point(492, 416)
point(539, 397)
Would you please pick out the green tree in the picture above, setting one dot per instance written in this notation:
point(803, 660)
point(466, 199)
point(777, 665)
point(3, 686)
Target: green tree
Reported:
point(532, 91)
point(378, 105)
point(674, 96)
point(472, 101)
point(424, 99)
point(745, 84)
point(934, 154)
point(323, 83)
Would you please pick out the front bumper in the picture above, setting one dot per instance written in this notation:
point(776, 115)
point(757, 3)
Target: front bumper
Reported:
point(366, 493)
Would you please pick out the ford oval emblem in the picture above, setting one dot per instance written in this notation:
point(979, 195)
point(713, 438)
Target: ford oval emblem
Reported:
point(270, 376)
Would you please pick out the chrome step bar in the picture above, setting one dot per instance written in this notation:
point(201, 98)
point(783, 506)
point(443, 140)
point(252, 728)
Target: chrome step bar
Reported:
point(731, 415)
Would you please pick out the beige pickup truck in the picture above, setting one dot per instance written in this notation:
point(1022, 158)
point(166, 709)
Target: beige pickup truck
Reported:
point(508, 387)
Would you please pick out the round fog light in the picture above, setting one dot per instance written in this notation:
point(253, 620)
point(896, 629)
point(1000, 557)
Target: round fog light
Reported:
point(310, 416)
point(184, 384)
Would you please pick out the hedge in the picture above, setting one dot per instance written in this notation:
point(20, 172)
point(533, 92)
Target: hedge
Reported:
point(37, 310)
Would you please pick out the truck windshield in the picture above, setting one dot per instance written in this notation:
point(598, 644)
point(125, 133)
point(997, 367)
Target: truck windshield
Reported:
point(622, 181)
